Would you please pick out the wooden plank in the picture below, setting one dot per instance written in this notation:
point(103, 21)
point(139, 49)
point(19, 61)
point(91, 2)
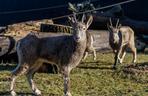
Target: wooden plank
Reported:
point(55, 28)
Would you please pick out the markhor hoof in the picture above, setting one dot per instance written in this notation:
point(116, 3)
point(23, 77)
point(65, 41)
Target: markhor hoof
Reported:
point(114, 68)
point(13, 93)
point(37, 92)
point(68, 94)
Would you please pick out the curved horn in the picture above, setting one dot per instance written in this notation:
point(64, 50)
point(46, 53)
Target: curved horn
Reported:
point(117, 23)
point(83, 18)
point(89, 21)
point(110, 20)
point(74, 16)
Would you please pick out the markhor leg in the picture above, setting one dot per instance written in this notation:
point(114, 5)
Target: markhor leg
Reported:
point(18, 71)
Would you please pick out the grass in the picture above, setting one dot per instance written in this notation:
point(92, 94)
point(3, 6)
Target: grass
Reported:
point(90, 78)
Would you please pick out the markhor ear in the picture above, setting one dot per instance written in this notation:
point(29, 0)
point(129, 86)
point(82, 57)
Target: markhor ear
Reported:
point(89, 22)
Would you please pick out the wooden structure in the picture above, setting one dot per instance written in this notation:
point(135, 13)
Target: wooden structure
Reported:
point(55, 28)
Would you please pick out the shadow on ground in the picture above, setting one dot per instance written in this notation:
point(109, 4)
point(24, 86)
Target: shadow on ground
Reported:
point(7, 67)
point(96, 65)
point(7, 93)
point(46, 68)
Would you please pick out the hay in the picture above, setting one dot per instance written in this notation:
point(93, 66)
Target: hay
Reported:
point(23, 28)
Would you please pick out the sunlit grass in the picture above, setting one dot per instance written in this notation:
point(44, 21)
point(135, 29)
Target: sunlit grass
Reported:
point(90, 78)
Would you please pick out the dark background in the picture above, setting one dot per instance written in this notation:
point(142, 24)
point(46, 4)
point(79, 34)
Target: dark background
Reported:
point(135, 10)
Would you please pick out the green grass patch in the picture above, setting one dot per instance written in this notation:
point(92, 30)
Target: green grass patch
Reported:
point(90, 78)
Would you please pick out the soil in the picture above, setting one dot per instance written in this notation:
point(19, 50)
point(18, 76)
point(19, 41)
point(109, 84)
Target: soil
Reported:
point(136, 69)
